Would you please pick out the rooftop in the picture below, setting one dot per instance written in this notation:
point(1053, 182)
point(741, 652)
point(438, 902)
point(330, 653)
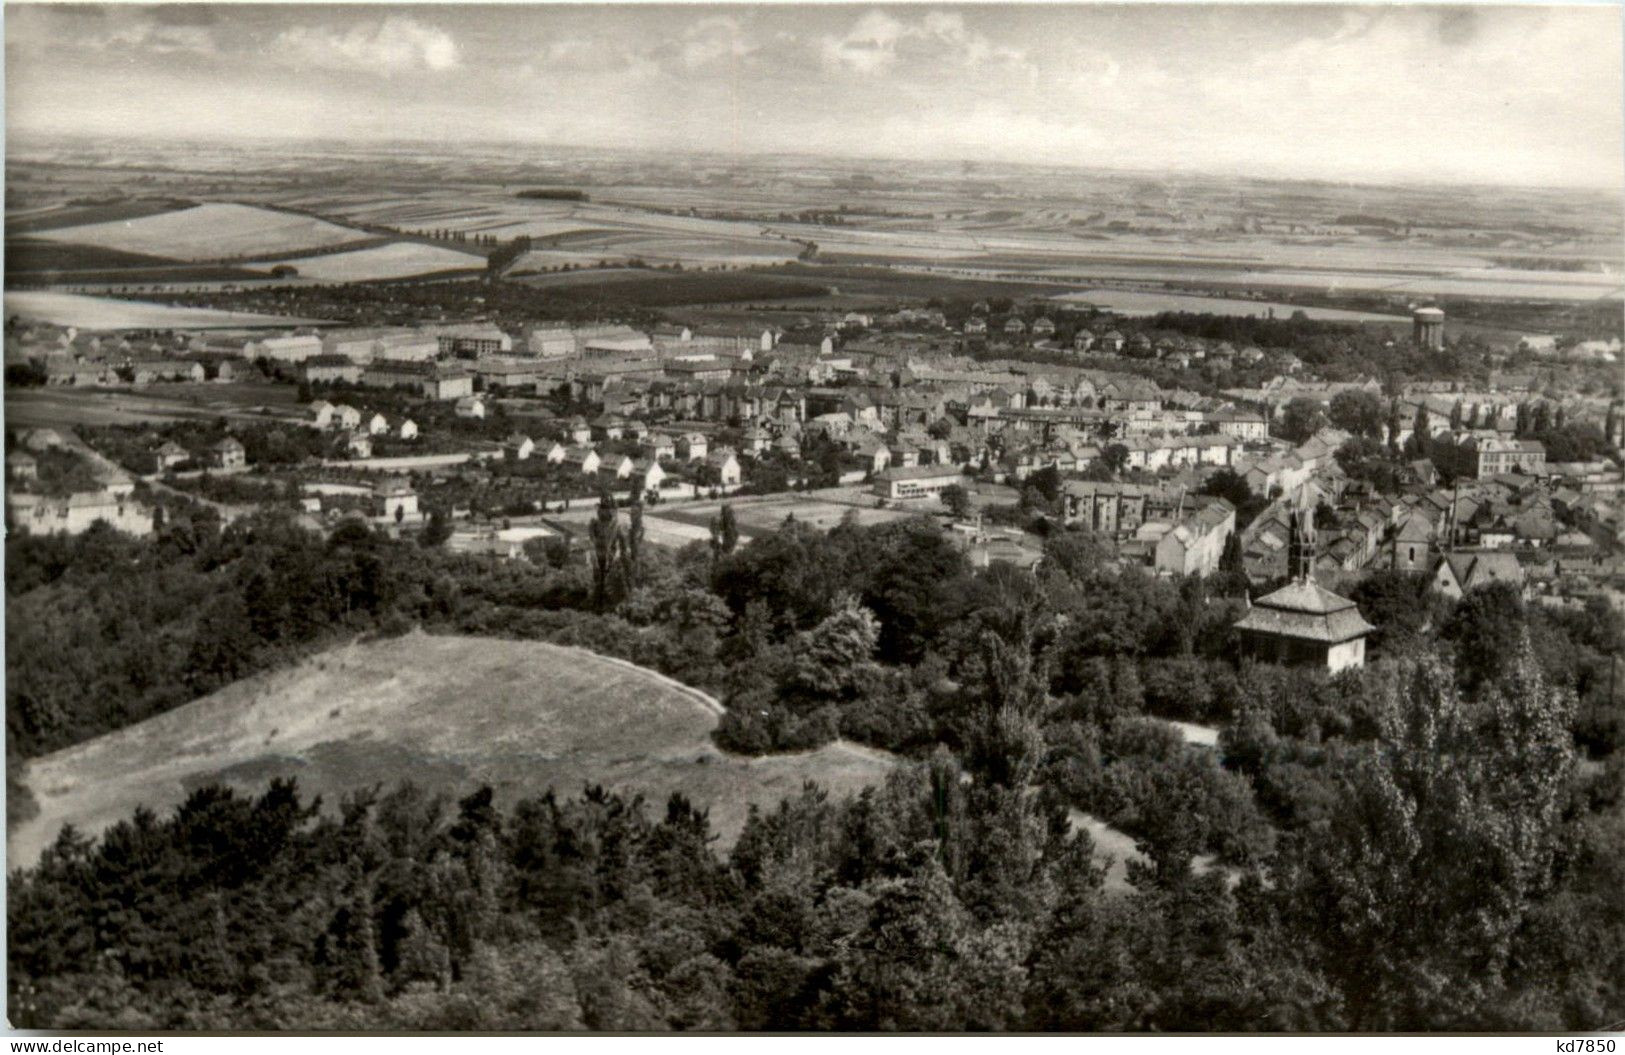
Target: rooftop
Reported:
point(1306, 610)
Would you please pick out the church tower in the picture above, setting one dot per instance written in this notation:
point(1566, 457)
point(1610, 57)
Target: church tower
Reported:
point(1300, 545)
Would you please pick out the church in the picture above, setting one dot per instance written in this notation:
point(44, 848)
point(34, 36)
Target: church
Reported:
point(1302, 623)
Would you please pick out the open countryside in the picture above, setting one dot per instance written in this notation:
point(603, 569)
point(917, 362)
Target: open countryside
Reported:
point(814, 519)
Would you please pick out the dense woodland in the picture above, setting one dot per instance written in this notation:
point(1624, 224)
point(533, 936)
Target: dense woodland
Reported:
point(1435, 842)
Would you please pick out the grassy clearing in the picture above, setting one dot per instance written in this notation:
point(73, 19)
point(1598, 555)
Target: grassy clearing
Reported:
point(449, 713)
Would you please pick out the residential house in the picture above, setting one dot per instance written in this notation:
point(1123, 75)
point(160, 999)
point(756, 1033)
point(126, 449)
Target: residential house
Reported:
point(584, 460)
point(724, 468)
point(518, 447)
point(168, 455)
point(394, 500)
point(659, 446)
point(35, 514)
point(647, 476)
point(228, 454)
point(1195, 544)
point(1463, 570)
point(692, 446)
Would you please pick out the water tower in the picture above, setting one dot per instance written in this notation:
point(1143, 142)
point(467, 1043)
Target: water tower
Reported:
point(1427, 328)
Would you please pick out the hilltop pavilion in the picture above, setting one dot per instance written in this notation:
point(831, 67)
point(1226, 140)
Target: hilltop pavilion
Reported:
point(1303, 623)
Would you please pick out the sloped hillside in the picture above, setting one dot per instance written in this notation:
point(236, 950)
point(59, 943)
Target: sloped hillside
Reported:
point(213, 231)
point(448, 713)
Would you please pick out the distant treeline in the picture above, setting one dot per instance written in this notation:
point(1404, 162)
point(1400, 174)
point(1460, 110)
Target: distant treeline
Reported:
point(555, 194)
point(1363, 220)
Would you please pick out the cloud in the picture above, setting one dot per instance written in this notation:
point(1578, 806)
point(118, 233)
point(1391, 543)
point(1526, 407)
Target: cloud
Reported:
point(116, 28)
point(397, 44)
point(870, 46)
point(713, 39)
point(878, 43)
point(184, 15)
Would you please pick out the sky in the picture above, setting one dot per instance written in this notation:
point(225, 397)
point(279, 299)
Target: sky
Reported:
point(1478, 94)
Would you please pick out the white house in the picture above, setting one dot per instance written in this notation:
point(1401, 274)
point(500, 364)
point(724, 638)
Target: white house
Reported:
point(377, 425)
point(650, 473)
point(396, 501)
point(34, 514)
point(408, 430)
point(470, 407)
point(725, 466)
point(518, 447)
point(692, 446)
point(584, 459)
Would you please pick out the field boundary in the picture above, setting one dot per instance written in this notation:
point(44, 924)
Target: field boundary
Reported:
point(706, 700)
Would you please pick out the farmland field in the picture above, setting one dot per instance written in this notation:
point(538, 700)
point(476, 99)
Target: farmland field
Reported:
point(763, 516)
point(78, 215)
point(52, 407)
point(401, 710)
point(215, 231)
point(1133, 302)
point(655, 289)
point(395, 260)
point(38, 262)
point(107, 313)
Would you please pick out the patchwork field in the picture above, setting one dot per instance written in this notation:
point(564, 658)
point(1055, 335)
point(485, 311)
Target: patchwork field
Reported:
point(448, 713)
point(109, 313)
point(215, 231)
point(395, 260)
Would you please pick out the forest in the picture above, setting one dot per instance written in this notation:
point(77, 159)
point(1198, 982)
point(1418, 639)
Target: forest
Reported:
point(1435, 841)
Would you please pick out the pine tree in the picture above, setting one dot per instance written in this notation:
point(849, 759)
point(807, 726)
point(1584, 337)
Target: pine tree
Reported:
point(353, 941)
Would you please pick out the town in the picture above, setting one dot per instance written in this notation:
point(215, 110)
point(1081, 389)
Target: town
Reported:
point(814, 519)
point(1185, 453)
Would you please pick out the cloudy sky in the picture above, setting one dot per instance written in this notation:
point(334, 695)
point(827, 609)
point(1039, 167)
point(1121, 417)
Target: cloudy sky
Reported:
point(1500, 95)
